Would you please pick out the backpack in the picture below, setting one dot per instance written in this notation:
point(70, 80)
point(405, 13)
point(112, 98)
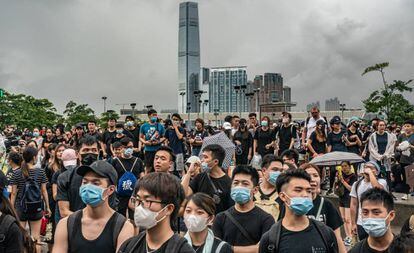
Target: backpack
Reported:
point(5, 224)
point(119, 224)
point(127, 181)
point(174, 245)
point(31, 201)
point(275, 233)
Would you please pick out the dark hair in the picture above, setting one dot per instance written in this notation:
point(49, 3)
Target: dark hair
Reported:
point(56, 164)
point(28, 155)
point(217, 152)
point(285, 177)
point(117, 144)
point(151, 111)
point(252, 114)
point(169, 151)
point(164, 186)
point(291, 154)
point(177, 116)
point(247, 170)
point(201, 121)
point(87, 140)
point(124, 141)
point(402, 244)
point(268, 159)
point(379, 196)
point(32, 141)
point(45, 160)
point(309, 165)
point(284, 114)
point(409, 122)
point(235, 116)
point(92, 121)
point(119, 125)
point(228, 118)
point(16, 158)
point(204, 202)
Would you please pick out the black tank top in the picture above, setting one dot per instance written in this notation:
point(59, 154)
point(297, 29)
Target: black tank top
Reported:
point(104, 243)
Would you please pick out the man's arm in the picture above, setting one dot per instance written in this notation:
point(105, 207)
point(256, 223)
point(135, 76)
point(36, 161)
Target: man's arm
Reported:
point(61, 237)
point(341, 245)
point(354, 210)
point(126, 233)
point(246, 249)
point(178, 133)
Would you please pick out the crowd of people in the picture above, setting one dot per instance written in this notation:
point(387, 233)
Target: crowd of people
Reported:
point(163, 187)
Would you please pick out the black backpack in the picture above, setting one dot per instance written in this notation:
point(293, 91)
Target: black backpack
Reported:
point(323, 230)
point(31, 201)
point(174, 244)
point(5, 223)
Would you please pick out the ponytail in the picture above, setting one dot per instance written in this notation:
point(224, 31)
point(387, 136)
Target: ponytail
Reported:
point(29, 153)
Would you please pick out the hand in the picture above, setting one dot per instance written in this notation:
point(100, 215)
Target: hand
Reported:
point(237, 142)
point(315, 155)
point(48, 213)
point(268, 146)
point(193, 167)
point(368, 171)
point(354, 229)
point(249, 157)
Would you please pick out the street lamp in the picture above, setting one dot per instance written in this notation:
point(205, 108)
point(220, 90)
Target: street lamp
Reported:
point(237, 89)
point(188, 112)
point(342, 107)
point(182, 100)
point(216, 113)
point(197, 95)
point(204, 105)
point(104, 102)
point(249, 97)
point(133, 109)
point(257, 91)
point(243, 91)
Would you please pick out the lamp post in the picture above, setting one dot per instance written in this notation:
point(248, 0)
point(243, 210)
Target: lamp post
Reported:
point(342, 108)
point(182, 100)
point(197, 95)
point(204, 105)
point(188, 114)
point(257, 91)
point(242, 100)
point(237, 89)
point(216, 113)
point(249, 97)
point(104, 103)
point(133, 109)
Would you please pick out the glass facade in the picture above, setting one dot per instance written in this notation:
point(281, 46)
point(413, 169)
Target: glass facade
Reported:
point(188, 57)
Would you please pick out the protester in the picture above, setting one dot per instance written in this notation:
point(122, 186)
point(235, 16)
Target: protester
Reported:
point(252, 123)
point(197, 137)
point(164, 160)
point(287, 133)
point(132, 131)
point(158, 199)
point(107, 137)
point(118, 149)
point(97, 226)
point(244, 144)
point(317, 140)
point(290, 156)
point(174, 135)
point(264, 138)
point(297, 233)
point(407, 155)
point(198, 215)
point(243, 225)
point(378, 212)
point(310, 125)
point(353, 136)
point(336, 141)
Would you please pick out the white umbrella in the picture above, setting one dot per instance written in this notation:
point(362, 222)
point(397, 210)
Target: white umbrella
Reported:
point(336, 158)
point(222, 140)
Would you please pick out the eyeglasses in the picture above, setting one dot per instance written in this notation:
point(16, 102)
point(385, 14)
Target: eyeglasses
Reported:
point(146, 203)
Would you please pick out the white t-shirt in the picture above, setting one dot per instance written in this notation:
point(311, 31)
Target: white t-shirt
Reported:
point(363, 187)
point(311, 125)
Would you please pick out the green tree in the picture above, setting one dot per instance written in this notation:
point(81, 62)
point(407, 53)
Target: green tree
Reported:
point(26, 111)
point(103, 120)
point(389, 100)
point(75, 113)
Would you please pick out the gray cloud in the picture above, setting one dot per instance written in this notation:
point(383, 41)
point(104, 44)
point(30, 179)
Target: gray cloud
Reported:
point(127, 50)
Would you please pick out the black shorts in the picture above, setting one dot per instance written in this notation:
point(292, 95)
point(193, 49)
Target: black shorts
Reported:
point(345, 201)
point(149, 159)
point(29, 216)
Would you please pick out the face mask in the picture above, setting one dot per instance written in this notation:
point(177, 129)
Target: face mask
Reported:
point(195, 223)
point(300, 206)
point(285, 120)
point(146, 218)
point(130, 123)
point(119, 131)
point(36, 134)
point(273, 175)
point(356, 125)
point(205, 167)
point(375, 227)
point(88, 158)
point(154, 119)
point(91, 194)
point(128, 152)
point(241, 195)
point(264, 123)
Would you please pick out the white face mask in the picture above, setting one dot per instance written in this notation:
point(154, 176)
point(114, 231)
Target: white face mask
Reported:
point(195, 223)
point(146, 218)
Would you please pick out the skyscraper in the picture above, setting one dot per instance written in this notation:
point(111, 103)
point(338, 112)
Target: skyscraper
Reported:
point(188, 57)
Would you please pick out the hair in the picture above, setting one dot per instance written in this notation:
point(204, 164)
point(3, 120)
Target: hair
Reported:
point(169, 151)
point(151, 111)
point(32, 141)
point(268, 159)
point(117, 144)
point(16, 158)
point(228, 118)
point(204, 202)
point(315, 108)
point(87, 140)
point(177, 116)
point(164, 186)
point(287, 176)
point(201, 121)
point(236, 116)
point(309, 165)
point(320, 134)
point(46, 158)
point(217, 152)
point(119, 125)
point(57, 164)
point(379, 196)
point(409, 122)
point(92, 121)
point(266, 118)
point(402, 244)
point(284, 114)
point(247, 170)
point(28, 155)
point(252, 114)
point(291, 154)
point(124, 141)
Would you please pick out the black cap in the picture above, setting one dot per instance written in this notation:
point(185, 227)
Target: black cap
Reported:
point(129, 117)
point(3, 181)
point(320, 122)
point(335, 120)
point(102, 168)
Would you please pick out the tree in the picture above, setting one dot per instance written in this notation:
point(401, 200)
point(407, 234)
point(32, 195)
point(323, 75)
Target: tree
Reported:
point(75, 113)
point(103, 120)
point(26, 111)
point(389, 100)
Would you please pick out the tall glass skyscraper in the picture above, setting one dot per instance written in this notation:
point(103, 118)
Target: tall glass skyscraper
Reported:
point(188, 57)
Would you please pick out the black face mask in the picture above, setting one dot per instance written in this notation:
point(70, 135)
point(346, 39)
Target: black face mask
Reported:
point(88, 158)
point(356, 125)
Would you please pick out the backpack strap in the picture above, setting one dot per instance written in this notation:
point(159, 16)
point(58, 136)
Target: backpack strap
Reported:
point(320, 208)
point(221, 244)
point(119, 224)
point(274, 237)
point(239, 226)
point(120, 162)
point(175, 244)
point(323, 231)
point(132, 245)
point(6, 221)
point(71, 225)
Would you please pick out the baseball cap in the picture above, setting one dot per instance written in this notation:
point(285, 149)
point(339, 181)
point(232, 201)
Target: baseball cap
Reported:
point(102, 168)
point(375, 164)
point(193, 159)
point(79, 125)
point(226, 126)
point(335, 120)
point(353, 119)
point(320, 122)
point(69, 157)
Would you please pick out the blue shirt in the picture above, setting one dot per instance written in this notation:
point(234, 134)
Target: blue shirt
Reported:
point(173, 142)
point(152, 132)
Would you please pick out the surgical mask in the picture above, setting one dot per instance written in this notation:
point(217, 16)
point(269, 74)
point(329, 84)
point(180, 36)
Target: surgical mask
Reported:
point(264, 123)
point(88, 158)
point(154, 119)
point(273, 175)
point(205, 167)
point(36, 134)
point(285, 120)
point(195, 223)
point(241, 195)
point(130, 123)
point(145, 218)
point(119, 131)
point(375, 227)
point(91, 194)
point(128, 152)
point(299, 205)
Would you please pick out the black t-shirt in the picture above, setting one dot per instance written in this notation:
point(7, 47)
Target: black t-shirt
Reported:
point(198, 136)
point(263, 138)
point(13, 240)
point(365, 248)
point(353, 148)
point(142, 247)
point(319, 147)
point(382, 141)
point(349, 179)
point(128, 163)
point(245, 139)
point(329, 214)
point(306, 241)
point(46, 142)
point(335, 140)
point(201, 183)
point(107, 139)
point(286, 134)
point(133, 134)
point(256, 222)
point(97, 135)
point(116, 138)
point(226, 248)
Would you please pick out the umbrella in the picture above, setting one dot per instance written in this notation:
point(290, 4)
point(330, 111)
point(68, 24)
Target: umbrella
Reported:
point(222, 140)
point(335, 158)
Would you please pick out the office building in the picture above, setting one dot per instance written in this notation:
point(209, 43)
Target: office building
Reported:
point(332, 104)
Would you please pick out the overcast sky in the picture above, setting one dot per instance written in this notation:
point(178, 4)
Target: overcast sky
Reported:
point(127, 49)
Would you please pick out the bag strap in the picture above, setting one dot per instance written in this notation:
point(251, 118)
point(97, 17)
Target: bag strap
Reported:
point(239, 226)
point(119, 224)
point(212, 184)
point(274, 237)
point(131, 246)
point(221, 244)
point(322, 230)
point(6, 221)
point(320, 208)
point(120, 162)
